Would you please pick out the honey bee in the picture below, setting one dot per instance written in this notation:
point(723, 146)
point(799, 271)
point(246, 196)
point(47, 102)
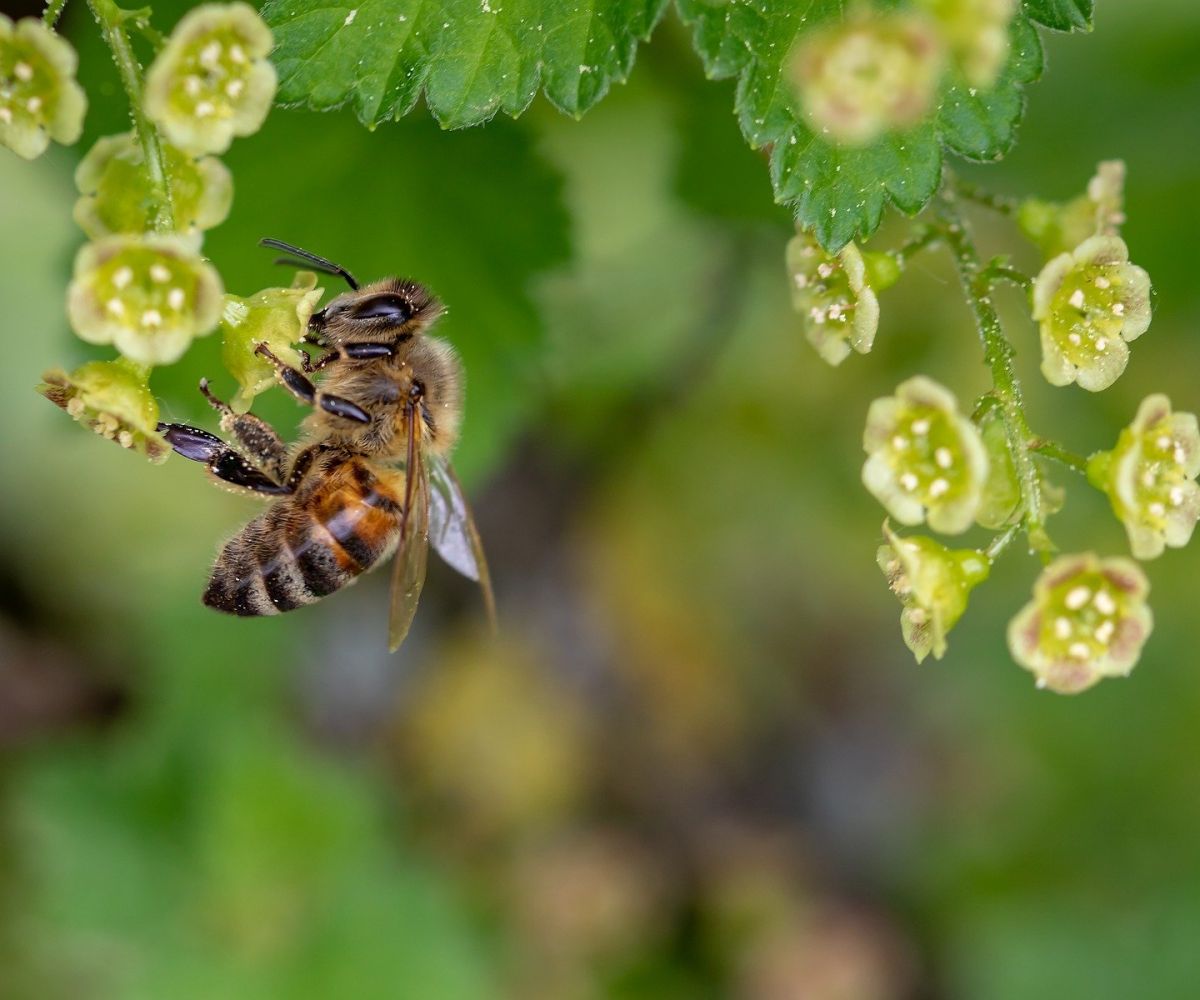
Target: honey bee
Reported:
point(371, 476)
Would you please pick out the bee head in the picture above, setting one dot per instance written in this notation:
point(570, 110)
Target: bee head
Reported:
point(391, 310)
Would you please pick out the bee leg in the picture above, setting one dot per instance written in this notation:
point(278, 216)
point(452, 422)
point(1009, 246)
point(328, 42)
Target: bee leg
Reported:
point(311, 367)
point(257, 439)
point(299, 386)
point(223, 462)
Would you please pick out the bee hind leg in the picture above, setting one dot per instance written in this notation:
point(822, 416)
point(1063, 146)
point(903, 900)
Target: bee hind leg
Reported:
point(222, 461)
point(254, 437)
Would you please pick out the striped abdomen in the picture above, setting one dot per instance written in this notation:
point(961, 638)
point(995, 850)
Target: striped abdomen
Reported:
point(341, 522)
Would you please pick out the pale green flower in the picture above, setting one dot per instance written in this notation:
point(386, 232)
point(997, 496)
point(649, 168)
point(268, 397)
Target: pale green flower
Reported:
point(40, 99)
point(925, 460)
point(114, 400)
point(861, 78)
point(277, 317)
point(976, 33)
point(1090, 304)
point(147, 295)
point(933, 584)
point(116, 195)
point(830, 292)
point(213, 80)
point(1150, 477)
point(1088, 620)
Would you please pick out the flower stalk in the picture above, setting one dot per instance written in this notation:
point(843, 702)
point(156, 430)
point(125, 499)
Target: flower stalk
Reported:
point(112, 25)
point(998, 354)
point(53, 12)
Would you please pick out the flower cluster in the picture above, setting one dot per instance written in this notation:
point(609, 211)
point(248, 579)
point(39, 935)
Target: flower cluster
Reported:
point(213, 80)
point(925, 461)
point(40, 99)
point(1090, 304)
point(1088, 620)
point(1150, 477)
point(868, 75)
point(933, 584)
point(830, 292)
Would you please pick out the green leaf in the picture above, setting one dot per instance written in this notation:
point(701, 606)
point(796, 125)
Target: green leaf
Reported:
point(1062, 15)
point(470, 58)
point(840, 192)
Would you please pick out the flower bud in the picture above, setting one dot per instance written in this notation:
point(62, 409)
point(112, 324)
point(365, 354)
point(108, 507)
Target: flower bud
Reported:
point(114, 400)
point(1100, 211)
point(925, 460)
point(147, 295)
point(1088, 620)
point(830, 292)
point(40, 99)
point(1090, 303)
point(116, 193)
point(933, 584)
point(213, 80)
point(861, 78)
point(1150, 477)
point(277, 317)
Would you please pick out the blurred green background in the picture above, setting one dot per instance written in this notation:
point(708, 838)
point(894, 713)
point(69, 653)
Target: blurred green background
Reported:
point(698, 761)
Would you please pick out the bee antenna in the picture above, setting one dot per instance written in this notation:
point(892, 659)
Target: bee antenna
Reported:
point(320, 263)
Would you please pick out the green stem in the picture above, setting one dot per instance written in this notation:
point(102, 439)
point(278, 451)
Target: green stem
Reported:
point(54, 9)
point(1056, 452)
point(923, 237)
point(1001, 272)
point(112, 25)
point(998, 354)
point(981, 196)
point(1001, 542)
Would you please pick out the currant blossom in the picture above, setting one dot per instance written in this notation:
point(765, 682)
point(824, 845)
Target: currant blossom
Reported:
point(831, 294)
point(1090, 304)
point(861, 78)
point(1088, 620)
point(976, 33)
point(925, 460)
point(933, 584)
point(116, 194)
point(213, 80)
point(1100, 211)
point(113, 399)
point(40, 98)
point(277, 317)
point(1150, 477)
point(147, 295)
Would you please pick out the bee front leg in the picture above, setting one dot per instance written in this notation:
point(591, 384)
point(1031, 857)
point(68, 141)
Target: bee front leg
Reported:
point(302, 388)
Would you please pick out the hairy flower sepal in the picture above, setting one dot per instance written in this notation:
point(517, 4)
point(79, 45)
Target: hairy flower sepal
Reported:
point(1100, 211)
point(112, 398)
point(1088, 620)
point(40, 98)
point(831, 293)
point(116, 195)
point(872, 74)
point(1090, 304)
point(149, 296)
point(277, 317)
point(926, 461)
point(933, 584)
point(213, 80)
point(1150, 477)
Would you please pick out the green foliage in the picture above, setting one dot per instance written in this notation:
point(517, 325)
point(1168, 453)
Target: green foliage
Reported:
point(471, 58)
point(1062, 15)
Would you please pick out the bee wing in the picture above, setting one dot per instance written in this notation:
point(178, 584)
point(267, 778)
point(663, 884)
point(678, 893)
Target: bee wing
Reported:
point(408, 567)
point(452, 531)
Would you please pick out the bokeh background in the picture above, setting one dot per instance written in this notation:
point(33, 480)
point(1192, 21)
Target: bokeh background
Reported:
point(698, 761)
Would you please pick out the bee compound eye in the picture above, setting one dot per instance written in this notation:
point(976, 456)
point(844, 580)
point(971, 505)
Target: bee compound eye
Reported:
point(390, 308)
